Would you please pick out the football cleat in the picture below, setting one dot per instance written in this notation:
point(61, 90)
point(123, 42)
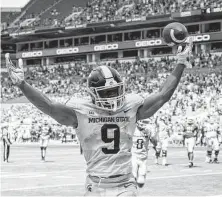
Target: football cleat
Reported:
point(215, 160)
point(106, 88)
point(141, 181)
point(190, 164)
point(208, 160)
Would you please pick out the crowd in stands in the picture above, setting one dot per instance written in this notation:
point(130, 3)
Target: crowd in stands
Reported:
point(69, 78)
point(59, 13)
point(193, 94)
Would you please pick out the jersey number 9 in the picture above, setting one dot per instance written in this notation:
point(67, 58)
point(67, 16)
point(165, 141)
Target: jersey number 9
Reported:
point(107, 128)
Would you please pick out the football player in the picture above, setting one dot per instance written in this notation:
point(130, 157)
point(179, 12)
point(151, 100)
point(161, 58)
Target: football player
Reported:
point(45, 132)
point(212, 135)
point(190, 132)
point(218, 113)
point(163, 135)
point(154, 133)
point(106, 123)
point(6, 141)
point(140, 151)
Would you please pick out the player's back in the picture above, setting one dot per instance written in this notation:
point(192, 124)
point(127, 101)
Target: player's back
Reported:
point(106, 137)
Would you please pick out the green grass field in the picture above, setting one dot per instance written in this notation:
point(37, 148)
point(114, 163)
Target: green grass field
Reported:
point(63, 173)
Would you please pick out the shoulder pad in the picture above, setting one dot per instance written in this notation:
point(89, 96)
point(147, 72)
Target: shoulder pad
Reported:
point(80, 105)
point(134, 101)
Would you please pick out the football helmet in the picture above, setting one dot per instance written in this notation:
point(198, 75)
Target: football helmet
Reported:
point(142, 124)
point(106, 88)
point(190, 121)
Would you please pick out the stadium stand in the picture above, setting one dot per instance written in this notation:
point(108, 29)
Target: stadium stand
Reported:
point(8, 17)
point(56, 78)
point(69, 12)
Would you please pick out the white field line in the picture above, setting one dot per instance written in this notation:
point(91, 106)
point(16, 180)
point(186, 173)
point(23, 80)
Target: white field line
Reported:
point(183, 175)
point(39, 173)
point(81, 184)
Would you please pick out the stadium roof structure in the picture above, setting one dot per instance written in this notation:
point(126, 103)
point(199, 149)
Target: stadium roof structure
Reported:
point(10, 9)
point(110, 26)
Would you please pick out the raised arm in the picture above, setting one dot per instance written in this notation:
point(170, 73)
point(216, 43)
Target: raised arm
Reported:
point(153, 103)
point(61, 113)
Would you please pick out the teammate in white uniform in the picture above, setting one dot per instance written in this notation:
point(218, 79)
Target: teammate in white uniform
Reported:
point(212, 134)
point(163, 134)
point(140, 152)
point(45, 132)
point(106, 123)
point(190, 132)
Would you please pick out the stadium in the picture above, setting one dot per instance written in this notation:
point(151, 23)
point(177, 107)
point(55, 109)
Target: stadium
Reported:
point(60, 42)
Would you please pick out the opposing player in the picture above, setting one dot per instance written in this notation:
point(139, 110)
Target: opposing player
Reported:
point(45, 132)
point(106, 123)
point(163, 135)
point(190, 132)
point(212, 135)
point(140, 152)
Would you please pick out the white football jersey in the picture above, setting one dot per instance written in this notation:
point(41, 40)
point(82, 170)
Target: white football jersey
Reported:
point(106, 137)
point(45, 130)
point(140, 143)
point(163, 130)
point(211, 130)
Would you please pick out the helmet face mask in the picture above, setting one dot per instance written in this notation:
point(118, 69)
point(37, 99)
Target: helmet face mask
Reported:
point(190, 121)
point(110, 96)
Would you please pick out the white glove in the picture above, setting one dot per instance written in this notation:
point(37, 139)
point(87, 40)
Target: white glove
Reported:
point(16, 73)
point(183, 55)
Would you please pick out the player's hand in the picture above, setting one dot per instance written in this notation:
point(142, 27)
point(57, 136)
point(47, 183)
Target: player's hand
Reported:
point(16, 73)
point(183, 56)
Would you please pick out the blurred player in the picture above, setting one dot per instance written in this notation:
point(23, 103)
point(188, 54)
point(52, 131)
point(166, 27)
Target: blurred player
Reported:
point(153, 133)
point(190, 135)
point(45, 132)
point(163, 134)
point(218, 113)
point(212, 134)
point(177, 135)
point(6, 142)
point(106, 123)
point(140, 152)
